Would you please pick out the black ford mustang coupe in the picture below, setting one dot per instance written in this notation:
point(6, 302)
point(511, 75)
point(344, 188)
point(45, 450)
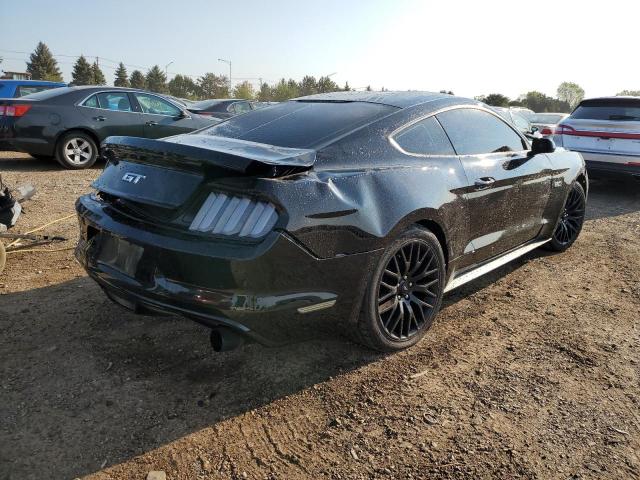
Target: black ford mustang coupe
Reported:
point(358, 208)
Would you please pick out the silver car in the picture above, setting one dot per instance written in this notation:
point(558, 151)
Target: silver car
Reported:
point(606, 131)
point(516, 118)
point(546, 122)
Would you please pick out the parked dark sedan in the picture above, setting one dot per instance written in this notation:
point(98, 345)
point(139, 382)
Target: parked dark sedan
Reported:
point(222, 108)
point(359, 207)
point(69, 123)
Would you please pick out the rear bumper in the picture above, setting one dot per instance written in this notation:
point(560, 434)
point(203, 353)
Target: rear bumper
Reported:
point(34, 146)
point(10, 141)
point(274, 292)
point(607, 163)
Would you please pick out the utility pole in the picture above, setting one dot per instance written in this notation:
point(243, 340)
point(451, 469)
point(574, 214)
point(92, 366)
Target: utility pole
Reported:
point(228, 62)
point(166, 69)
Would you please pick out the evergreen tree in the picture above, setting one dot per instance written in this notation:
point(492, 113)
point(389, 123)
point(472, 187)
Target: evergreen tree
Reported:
point(121, 76)
point(98, 76)
point(293, 87)
point(368, 89)
point(183, 87)
point(283, 91)
point(265, 95)
point(42, 65)
point(82, 72)
point(325, 84)
point(156, 80)
point(308, 85)
point(244, 90)
point(137, 80)
point(213, 86)
point(346, 88)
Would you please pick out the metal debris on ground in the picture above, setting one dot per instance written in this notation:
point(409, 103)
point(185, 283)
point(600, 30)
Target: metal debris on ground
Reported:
point(10, 210)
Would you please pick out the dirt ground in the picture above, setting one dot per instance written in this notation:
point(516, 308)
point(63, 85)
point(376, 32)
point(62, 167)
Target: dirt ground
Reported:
point(531, 372)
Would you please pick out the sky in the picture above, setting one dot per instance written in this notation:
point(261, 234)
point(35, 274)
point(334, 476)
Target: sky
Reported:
point(469, 47)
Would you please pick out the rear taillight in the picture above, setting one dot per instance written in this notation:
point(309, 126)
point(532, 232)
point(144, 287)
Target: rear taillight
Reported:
point(547, 131)
point(223, 214)
point(565, 130)
point(14, 110)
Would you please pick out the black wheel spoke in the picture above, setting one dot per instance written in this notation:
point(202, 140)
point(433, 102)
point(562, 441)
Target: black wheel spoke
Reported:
point(425, 274)
point(386, 297)
point(571, 219)
point(406, 286)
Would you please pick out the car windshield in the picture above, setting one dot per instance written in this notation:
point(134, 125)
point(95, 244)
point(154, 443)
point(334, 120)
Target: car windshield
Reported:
point(299, 124)
point(546, 118)
point(610, 110)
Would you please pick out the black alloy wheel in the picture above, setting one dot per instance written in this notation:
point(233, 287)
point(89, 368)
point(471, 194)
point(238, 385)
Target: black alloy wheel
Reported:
point(571, 219)
point(405, 292)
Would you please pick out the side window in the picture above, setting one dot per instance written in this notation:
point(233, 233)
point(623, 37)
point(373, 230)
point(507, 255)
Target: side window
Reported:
point(92, 102)
point(156, 106)
point(474, 132)
point(242, 107)
point(114, 101)
point(425, 137)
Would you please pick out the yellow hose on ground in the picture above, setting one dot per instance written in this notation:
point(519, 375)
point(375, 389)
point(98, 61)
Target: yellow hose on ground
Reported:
point(41, 250)
point(41, 228)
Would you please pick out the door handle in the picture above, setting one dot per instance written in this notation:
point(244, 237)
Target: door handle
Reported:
point(484, 182)
point(100, 118)
point(152, 123)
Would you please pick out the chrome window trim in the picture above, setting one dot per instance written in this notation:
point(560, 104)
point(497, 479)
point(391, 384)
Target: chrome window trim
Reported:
point(81, 102)
point(394, 143)
point(133, 92)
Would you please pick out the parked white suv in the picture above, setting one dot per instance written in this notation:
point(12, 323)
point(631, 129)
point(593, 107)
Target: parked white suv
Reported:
point(606, 131)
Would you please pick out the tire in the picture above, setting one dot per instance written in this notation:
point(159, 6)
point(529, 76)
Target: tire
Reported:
point(570, 221)
point(3, 257)
point(76, 150)
point(412, 303)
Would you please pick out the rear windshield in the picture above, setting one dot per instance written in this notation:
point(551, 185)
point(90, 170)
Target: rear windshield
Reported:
point(51, 92)
point(211, 104)
point(620, 110)
point(546, 118)
point(299, 124)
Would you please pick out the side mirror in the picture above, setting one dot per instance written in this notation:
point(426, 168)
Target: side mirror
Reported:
point(534, 129)
point(183, 114)
point(542, 145)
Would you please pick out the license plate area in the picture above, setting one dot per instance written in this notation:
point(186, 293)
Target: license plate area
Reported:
point(120, 255)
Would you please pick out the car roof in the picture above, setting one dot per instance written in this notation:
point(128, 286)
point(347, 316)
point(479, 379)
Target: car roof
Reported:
point(108, 87)
point(30, 82)
point(615, 97)
point(394, 99)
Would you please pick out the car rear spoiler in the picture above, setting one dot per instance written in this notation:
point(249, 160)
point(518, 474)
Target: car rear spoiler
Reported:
point(201, 150)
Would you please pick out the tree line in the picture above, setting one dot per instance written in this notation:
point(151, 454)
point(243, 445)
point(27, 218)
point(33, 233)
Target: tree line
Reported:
point(568, 95)
point(43, 66)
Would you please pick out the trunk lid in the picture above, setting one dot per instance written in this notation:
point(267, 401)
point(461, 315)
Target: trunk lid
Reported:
point(156, 178)
point(617, 137)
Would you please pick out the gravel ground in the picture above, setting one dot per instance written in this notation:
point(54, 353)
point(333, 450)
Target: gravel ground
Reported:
point(530, 372)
